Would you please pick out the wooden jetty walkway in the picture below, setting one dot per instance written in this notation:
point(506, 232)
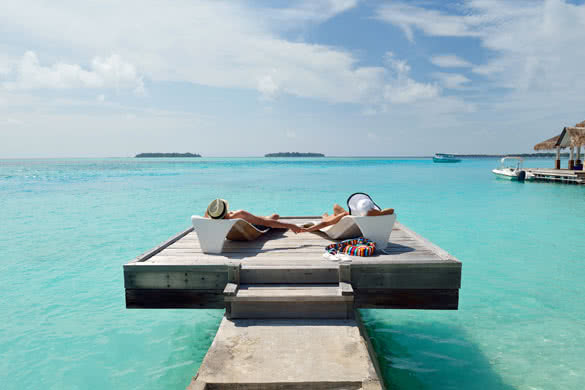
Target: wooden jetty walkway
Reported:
point(281, 295)
point(557, 175)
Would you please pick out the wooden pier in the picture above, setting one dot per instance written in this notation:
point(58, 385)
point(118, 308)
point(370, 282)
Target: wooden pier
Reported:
point(556, 175)
point(290, 319)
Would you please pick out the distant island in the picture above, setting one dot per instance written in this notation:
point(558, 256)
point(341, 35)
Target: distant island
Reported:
point(531, 155)
point(144, 155)
point(294, 154)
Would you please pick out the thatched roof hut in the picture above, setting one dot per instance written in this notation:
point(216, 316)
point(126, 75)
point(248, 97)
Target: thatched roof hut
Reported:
point(576, 135)
point(570, 136)
point(549, 144)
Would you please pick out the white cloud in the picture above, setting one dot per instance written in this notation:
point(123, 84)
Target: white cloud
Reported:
point(218, 44)
point(403, 89)
point(451, 80)
point(432, 22)
point(450, 61)
point(291, 134)
point(311, 11)
point(533, 45)
point(111, 72)
point(267, 87)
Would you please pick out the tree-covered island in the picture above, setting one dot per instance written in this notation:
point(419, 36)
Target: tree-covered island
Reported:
point(294, 154)
point(144, 155)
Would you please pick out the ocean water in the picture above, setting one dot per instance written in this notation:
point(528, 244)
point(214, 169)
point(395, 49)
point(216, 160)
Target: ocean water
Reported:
point(68, 226)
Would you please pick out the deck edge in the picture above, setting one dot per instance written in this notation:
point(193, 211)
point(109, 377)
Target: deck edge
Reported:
point(150, 253)
point(435, 248)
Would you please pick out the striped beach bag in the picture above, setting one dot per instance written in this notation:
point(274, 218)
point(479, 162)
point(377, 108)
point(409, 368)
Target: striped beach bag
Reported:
point(353, 247)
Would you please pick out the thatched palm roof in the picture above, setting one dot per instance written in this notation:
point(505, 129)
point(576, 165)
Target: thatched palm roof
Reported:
point(577, 135)
point(549, 144)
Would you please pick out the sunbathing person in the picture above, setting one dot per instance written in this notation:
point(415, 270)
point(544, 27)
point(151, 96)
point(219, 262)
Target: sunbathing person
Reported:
point(359, 205)
point(218, 209)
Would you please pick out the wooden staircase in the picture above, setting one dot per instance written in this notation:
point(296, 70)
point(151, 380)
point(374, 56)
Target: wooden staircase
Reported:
point(305, 292)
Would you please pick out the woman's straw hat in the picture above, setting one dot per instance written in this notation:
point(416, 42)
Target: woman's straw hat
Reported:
point(359, 204)
point(217, 209)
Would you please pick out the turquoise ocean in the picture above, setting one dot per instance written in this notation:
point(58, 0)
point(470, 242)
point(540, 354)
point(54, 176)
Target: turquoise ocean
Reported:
point(68, 226)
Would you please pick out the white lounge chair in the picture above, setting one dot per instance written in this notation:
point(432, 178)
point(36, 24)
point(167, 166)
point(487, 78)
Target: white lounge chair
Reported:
point(375, 229)
point(212, 233)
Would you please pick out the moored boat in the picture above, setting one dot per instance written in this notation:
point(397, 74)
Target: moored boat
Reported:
point(445, 158)
point(511, 169)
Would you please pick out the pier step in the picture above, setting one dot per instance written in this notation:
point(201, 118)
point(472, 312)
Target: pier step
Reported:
point(289, 300)
point(289, 274)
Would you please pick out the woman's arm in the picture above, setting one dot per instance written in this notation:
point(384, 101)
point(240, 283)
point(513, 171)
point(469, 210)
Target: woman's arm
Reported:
point(327, 221)
point(373, 213)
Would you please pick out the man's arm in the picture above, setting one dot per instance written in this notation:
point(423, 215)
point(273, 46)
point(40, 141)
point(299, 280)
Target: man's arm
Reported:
point(257, 220)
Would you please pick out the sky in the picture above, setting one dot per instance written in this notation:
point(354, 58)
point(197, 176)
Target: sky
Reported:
point(341, 77)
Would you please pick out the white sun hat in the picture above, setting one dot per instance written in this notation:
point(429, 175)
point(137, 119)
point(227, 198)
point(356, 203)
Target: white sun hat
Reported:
point(217, 209)
point(360, 203)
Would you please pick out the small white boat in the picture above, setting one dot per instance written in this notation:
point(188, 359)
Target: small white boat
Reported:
point(445, 158)
point(510, 168)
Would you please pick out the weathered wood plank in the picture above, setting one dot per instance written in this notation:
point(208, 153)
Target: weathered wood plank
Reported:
point(173, 299)
point(230, 290)
point(345, 288)
point(229, 247)
point(147, 255)
point(328, 273)
point(401, 278)
point(175, 280)
point(291, 252)
point(407, 299)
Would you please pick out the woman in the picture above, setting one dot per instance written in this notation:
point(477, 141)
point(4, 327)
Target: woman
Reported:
point(359, 204)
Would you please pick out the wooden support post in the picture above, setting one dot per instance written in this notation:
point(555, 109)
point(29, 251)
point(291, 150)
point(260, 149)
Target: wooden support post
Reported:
point(571, 156)
point(231, 288)
point(345, 287)
point(558, 160)
point(578, 160)
point(345, 273)
point(234, 272)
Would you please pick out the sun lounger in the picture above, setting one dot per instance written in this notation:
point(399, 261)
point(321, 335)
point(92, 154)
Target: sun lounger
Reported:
point(212, 233)
point(375, 229)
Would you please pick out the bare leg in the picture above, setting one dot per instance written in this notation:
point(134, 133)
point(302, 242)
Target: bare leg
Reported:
point(256, 220)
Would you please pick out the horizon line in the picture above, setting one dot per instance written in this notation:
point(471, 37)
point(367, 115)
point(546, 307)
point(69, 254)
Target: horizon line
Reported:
point(217, 156)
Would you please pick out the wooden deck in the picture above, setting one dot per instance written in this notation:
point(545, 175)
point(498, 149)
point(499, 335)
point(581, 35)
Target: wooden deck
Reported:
point(557, 175)
point(412, 274)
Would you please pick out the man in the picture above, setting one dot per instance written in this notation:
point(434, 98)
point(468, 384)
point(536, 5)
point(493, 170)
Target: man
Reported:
point(218, 209)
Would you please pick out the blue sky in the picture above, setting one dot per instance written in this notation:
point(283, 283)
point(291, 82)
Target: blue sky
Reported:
point(342, 77)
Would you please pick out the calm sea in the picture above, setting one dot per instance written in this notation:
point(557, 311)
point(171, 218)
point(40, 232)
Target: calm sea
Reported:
point(67, 226)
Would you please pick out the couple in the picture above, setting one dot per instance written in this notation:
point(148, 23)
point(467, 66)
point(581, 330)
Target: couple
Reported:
point(359, 204)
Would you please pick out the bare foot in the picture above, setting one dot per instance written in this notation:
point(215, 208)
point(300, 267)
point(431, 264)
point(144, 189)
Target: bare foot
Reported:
point(337, 209)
